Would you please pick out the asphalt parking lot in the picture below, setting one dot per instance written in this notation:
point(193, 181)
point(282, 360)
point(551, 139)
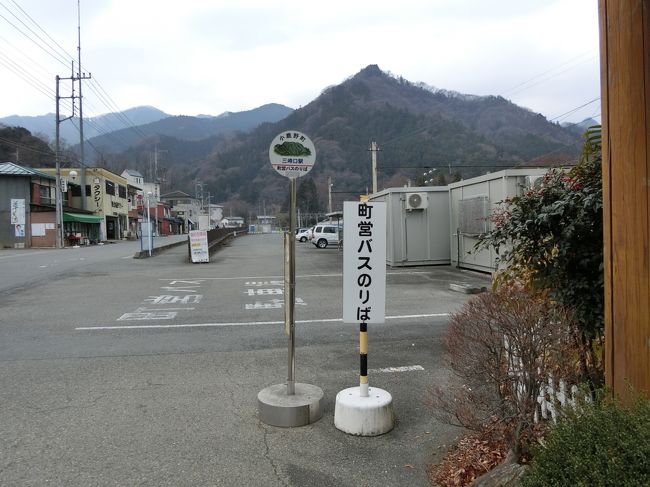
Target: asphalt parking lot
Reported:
point(113, 376)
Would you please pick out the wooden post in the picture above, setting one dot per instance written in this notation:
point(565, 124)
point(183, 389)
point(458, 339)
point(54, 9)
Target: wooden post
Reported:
point(625, 85)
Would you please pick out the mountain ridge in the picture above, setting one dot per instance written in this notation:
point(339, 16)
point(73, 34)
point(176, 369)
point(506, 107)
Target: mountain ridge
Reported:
point(416, 127)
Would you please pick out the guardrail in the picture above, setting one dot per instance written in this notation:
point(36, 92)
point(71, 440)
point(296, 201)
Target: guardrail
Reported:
point(217, 236)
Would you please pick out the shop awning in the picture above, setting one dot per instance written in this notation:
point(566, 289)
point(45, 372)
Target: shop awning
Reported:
point(80, 217)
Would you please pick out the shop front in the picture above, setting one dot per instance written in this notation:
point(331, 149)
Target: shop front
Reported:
point(81, 229)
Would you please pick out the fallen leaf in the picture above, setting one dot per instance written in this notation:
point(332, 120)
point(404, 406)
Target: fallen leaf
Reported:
point(409, 465)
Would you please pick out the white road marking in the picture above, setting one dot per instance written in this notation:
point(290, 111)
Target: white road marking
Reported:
point(406, 368)
point(25, 254)
point(250, 323)
point(282, 277)
point(150, 315)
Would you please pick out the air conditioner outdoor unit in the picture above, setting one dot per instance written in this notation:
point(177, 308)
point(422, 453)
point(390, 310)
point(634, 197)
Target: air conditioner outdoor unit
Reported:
point(416, 201)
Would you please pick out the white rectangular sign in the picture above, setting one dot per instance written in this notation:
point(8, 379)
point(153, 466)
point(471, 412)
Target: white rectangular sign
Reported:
point(364, 262)
point(38, 229)
point(199, 246)
point(17, 212)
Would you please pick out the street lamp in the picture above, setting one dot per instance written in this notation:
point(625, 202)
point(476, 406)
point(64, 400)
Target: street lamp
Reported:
point(149, 232)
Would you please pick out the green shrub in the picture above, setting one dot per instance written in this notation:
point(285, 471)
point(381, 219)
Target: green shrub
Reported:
point(604, 444)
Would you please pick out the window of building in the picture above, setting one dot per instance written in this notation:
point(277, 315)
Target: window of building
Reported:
point(121, 191)
point(88, 193)
point(110, 187)
point(45, 194)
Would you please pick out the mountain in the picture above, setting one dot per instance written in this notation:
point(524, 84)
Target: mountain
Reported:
point(188, 128)
point(580, 127)
point(93, 126)
point(18, 145)
point(416, 126)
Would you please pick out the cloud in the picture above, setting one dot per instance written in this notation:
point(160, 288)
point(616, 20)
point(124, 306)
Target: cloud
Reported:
point(202, 56)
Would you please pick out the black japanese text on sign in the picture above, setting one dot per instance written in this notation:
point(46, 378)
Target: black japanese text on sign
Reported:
point(364, 262)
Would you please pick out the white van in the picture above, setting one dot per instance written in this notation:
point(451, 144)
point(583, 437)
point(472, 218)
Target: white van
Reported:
point(326, 234)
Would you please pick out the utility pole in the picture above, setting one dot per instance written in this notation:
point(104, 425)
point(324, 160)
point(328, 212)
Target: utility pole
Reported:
point(81, 76)
point(329, 193)
point(374, 149)
point(58, 203)
point(156, 184)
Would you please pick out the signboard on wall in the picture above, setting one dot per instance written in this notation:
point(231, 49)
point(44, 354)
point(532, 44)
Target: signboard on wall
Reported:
point(364, 262)
point(17, 211)
point(199, 246)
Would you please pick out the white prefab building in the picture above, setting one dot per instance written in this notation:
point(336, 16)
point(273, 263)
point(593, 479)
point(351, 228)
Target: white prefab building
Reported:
point(417, 225)
point(471, 201)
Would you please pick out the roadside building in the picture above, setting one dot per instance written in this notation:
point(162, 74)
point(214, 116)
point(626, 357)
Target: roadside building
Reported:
point(135, 192)
point(265, 223)
point(106, 197)
point(185, 208)
point(232, 222)
point(25, 191)
point(28, 210)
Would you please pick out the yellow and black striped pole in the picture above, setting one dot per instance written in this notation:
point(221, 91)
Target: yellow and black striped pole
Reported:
point(363, 359)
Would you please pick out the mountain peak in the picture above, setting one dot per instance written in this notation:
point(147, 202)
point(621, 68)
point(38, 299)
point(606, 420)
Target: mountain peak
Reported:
point(370, 71)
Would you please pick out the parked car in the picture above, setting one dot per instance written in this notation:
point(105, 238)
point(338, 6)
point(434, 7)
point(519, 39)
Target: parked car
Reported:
point(325, 235)
point(304, 234)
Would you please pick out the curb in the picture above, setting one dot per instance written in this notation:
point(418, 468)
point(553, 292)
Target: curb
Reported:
point(144, 254)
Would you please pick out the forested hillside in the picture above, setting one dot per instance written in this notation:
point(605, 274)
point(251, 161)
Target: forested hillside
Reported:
point(18, 145)
point(415, 126)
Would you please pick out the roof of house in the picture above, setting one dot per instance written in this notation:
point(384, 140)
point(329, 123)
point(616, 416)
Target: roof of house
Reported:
point(175, 194)
point(133, 172)
point(11, 169)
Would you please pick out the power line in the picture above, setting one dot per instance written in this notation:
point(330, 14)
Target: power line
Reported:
point(63, 57)
point(51, 52)
point(24, 147)
point(41, 29)
point(574, 109)
point(521, 86)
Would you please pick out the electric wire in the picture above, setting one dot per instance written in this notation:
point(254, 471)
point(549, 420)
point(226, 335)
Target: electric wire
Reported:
point(573, 110)
point(24, 147)
point(513, 91)
point(63, 57)
point(50, 52)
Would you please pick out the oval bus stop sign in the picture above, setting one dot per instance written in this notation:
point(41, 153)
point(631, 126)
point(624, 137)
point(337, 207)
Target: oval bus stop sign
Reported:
point(292, 154)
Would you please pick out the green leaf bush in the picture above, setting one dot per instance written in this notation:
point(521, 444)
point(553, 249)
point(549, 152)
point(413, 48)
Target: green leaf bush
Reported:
point(551, 238)
point(599, 444)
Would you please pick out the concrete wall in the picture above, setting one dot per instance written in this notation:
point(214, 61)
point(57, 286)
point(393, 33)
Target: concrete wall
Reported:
point(14, 187)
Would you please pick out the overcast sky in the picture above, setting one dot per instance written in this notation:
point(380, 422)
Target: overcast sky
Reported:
point(209, 56)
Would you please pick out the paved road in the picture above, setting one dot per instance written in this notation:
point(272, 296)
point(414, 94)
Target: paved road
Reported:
point(23, 268)
point(146, 372)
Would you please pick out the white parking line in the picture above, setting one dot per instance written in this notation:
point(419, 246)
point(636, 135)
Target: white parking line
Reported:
point(249, 323)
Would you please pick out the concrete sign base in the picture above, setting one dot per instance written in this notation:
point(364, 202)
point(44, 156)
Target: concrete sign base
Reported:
point(364, 416)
